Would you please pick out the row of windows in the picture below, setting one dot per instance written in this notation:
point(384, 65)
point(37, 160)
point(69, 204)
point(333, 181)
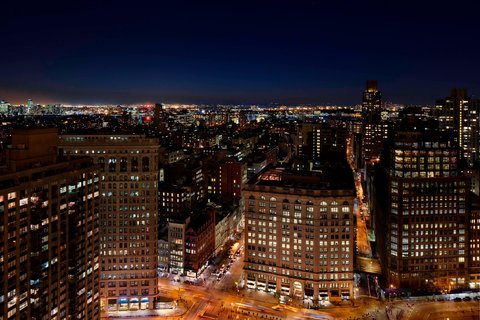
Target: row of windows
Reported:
point(298, 202)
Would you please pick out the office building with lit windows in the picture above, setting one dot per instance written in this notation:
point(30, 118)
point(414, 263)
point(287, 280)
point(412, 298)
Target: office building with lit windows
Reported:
point(299, 234)
point(374, 129)
point(128, 167)
point(474, 242)
point(371, 99)
point(427, 218)
point(459, 114)
point(49, 231)
point(225, 178)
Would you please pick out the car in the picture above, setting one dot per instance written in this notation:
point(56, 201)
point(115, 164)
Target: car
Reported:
point(477, 298)
point(467, 299)
point(457, 299)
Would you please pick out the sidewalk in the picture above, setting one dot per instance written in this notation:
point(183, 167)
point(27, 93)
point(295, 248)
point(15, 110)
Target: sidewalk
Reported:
point(176, 313)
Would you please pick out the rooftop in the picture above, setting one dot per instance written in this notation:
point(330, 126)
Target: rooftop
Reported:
point(329, 177)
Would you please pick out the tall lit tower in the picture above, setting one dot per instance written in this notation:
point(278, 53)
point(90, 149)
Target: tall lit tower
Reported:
point(29, 106)
point(374, 129)
point(128, 221)
point(460, 115)
point(427, 210)
point(49, 231)
point(159, 117)
point(372, 99)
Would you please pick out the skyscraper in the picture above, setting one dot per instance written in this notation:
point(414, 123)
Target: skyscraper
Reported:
point(159, 118)
point(29, 106)
point(372, 99)
point(460, 115)
point(49, 232)
point(374, 130)
point(128, 220)
point(474, 242)
point(427, 212)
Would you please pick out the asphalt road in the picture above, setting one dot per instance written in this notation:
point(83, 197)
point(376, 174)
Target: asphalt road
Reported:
point(448, 310)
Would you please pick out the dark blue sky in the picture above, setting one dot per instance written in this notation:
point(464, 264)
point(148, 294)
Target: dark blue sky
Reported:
point(236, 51)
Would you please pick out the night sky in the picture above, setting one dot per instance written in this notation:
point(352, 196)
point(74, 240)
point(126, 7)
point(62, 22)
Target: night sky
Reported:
point(236, 51)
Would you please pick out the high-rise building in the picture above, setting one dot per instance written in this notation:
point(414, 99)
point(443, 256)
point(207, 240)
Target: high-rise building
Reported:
point(128, 220)
point(426, 215)
point(474, 242)
point(4, 107)
point(460, 114)
point(299, 237)
point(49, 231)
point(159, 117)
point(29, 106)
point(372, 100)
point(374, 130)
point(374, 135)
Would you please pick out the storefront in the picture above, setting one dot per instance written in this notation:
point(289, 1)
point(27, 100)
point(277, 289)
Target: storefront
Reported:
point(285, 290)
point(261, 285)
point(272, 287)
point(323, 296)
point(345, 295)
point(164, 303)
point(112, 304)
point(133, 304)
point(122, 304)
point(251, 282)
point(144, 303)
point(298, 289)
point(308, 293)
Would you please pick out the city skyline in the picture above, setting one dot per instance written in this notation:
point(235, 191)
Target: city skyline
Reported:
point(221, 212)
point(306, 52)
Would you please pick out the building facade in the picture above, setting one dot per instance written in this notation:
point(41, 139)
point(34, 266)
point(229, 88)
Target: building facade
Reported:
point(299, 237)
point(199, 242)
point(225, 178)
point(474, 242)
point(460, 114)
point(128, 220)
point(374, 129)
point(49, 231)
point(427, 212)
point(176, 243)
point(371, 99)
